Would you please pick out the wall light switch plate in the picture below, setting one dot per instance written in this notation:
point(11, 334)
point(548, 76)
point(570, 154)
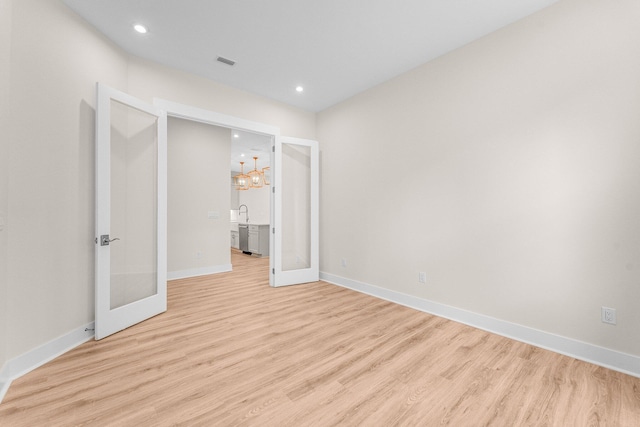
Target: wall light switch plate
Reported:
point(213, 215)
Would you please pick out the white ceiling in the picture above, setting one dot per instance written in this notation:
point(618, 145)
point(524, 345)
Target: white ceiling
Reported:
point(333, 48)
point(245, 146)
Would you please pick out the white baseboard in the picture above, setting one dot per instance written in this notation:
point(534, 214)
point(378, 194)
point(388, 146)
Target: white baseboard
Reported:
point(32, 359)
point(194, 272)
point(601, 356)
point(4, 387)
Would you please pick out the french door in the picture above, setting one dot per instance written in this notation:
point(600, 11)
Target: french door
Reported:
point(295, 206)
point(131, 206)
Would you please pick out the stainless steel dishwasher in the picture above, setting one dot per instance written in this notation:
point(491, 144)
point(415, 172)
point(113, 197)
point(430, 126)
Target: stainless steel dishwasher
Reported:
point(243, 230)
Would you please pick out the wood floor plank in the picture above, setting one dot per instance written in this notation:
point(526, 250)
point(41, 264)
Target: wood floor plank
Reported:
point(232, 351)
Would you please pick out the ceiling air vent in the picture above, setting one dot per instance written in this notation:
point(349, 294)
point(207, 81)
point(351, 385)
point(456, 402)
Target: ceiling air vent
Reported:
point(225, 61)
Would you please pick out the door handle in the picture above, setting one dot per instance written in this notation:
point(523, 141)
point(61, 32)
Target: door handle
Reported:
point(104, 240)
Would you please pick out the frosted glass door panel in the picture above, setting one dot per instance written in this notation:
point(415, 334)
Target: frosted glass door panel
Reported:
point(296, 207)
point(134, 154)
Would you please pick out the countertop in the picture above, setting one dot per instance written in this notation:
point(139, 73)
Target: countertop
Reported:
point(234, 225)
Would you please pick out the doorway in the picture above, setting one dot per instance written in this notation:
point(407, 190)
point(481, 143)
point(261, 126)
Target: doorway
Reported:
point(250, 192)
point(297, 160)
point(203, 206)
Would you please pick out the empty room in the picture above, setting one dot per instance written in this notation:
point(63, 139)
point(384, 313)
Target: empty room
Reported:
point(310, 213)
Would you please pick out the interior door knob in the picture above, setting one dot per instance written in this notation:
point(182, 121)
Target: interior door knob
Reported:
point(104, 240)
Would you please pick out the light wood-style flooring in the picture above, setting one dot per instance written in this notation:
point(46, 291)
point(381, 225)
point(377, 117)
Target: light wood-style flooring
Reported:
point(233, 351)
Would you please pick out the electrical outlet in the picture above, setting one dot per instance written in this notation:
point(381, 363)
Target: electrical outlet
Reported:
point(422, 277)
point(608, 315)
point(343, 262)
point(198, 255)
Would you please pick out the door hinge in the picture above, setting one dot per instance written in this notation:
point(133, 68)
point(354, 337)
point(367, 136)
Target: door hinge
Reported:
point(273, 230)
point(273, 271)
point(273, 148)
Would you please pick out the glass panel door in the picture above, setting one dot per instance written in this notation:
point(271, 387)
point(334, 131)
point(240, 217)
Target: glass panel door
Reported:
point(296, 214)
point(130, 211)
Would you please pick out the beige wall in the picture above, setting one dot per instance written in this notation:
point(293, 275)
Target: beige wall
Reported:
point(506, 170)
point(198, 183)
point(55, 63)
point(258, 200)
point(5, 65)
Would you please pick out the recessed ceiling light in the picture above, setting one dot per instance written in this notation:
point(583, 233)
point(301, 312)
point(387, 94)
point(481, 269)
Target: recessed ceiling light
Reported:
point(242, 155)
point(299, 89)
point(140, 28)
point(235, 135)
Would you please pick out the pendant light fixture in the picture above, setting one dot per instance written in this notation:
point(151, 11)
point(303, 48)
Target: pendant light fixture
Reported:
point(266, 175)
point(256, 179)
point(241, 180)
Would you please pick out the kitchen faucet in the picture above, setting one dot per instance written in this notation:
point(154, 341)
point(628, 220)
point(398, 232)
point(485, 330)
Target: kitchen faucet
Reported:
point(246, 212)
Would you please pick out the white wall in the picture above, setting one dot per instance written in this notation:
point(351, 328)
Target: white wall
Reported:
point(55, 63)
point(5, 66)
point(198, 183)
point(258, 201)
point(506, 170)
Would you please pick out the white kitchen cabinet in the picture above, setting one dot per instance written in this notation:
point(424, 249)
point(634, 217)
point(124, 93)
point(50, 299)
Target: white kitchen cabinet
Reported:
point(259, 239)
point(235, 201)
point(235, 240)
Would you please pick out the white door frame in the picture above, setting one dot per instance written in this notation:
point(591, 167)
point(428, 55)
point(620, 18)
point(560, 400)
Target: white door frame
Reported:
point(187, 112)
